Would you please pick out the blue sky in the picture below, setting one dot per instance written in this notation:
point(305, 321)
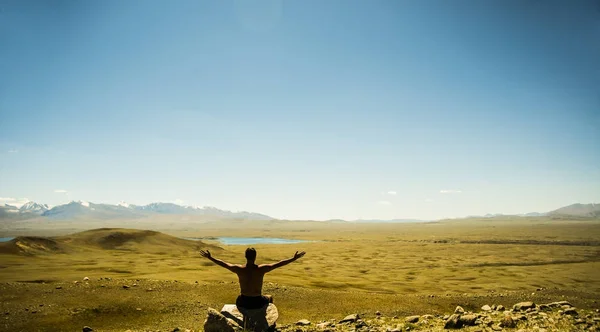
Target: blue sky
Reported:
point(303, 109)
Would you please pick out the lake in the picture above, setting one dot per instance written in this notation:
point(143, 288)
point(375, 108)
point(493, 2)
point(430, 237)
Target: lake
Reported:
point(230, 241)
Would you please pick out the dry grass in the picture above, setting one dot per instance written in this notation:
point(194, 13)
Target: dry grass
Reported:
point(348, 267)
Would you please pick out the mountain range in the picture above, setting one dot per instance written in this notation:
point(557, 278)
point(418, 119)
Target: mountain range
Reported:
point(122, 210)
point(82, 209)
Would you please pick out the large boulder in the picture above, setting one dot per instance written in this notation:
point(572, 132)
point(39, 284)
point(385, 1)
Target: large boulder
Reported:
point(522, 306)
point(258, 320)
point(215, 322)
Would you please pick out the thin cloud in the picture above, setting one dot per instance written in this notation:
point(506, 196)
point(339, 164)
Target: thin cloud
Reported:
point(384, 203)
point(179, 201)
point(392, 193)
point(447, 191)
point(60, 191)
point(13, 151)
point(428, 200)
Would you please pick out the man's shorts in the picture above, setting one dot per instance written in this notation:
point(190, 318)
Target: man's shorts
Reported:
point(252, 302)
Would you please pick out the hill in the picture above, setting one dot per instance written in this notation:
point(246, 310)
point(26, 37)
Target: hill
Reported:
point(121, 239)
point(578, 210)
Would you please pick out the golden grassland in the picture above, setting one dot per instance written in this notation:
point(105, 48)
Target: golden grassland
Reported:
point(399, 268)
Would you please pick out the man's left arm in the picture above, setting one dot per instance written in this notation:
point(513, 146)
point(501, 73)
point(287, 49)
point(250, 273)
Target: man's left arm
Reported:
point(231, 267)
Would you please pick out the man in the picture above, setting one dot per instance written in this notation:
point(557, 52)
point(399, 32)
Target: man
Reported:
point(251, 276)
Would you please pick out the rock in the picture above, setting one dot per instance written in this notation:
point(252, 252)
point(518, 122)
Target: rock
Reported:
point(412, 319)
point(303, 322)
point(559, 304)
point(459, 310)
point(494, 307)
point(323, 325)
point(215, 322)
point(570, 311)
point(521, 306)
point(508, 322)
point(231, 311)
point(453, 322)
point(88, 329)
point(445, 317)
point(125, 287)
point(500, 307)
point(349, 319)
point(468, 320)
point(86, 279)
point(377, 313)
point(260, 319)
point(486, 308)
point(58, 287)
point(544, 307)
point(360, 323)
point(138, 309)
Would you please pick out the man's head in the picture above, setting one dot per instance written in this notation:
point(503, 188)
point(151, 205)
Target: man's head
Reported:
point(251, 254)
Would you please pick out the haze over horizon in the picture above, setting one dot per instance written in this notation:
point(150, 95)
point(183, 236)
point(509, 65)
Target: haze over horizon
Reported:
point(303, 110)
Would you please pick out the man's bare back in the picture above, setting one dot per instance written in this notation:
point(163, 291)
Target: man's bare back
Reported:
point(251, 275)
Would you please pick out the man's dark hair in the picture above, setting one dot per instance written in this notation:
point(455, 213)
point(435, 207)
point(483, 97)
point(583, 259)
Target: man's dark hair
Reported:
point(251, 254)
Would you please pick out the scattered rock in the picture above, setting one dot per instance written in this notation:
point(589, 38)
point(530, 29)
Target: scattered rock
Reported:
point(125, 287)
point(412, 319)
point(88, 329)
point(500, 307)
point(508, 322)
point(215, 322)
point(453, 322)
point(459, 310)
point(323, 325)
point(360, 323)
point(468, 320)
point(350, 318)
point(570, 311)
point(303, 322)
point(521, 306)
point(486, 308)
point(86, 279)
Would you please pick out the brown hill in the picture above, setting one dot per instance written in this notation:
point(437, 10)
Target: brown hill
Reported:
point(143, 241)
point(31, 245)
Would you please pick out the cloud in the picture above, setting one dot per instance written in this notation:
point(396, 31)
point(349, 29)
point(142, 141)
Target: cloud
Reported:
point(384, 203)
point(392, 193)
point(13, 151)
point(18, 202)
point(61, 191)
point(179, 201)
point(450, 191)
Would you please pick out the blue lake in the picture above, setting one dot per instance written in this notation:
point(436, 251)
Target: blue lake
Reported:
point(6, 239)
point(251, 240)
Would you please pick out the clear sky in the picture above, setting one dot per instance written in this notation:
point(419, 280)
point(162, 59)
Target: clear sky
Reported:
point(303, 109)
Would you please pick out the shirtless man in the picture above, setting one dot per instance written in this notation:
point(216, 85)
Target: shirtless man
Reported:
point(251, 276)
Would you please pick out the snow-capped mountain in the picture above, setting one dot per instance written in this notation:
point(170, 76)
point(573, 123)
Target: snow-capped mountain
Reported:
point(122, 210)
point(34, 207)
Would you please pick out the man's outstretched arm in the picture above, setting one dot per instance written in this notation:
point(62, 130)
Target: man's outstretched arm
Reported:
point(231, 267)
point(271, 267)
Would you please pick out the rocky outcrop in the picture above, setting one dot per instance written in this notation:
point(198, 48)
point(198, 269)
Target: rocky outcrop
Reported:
point(231, 318)
point(525, 316)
